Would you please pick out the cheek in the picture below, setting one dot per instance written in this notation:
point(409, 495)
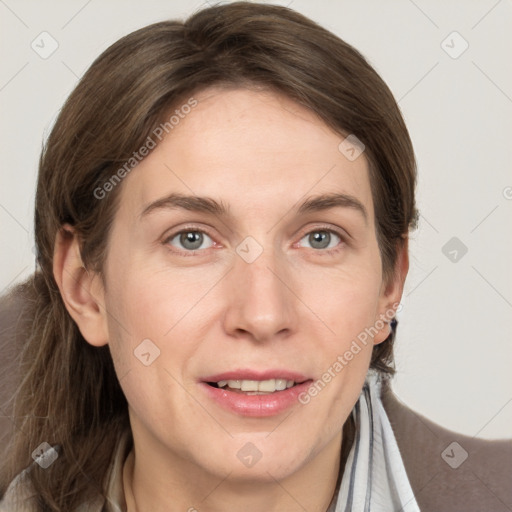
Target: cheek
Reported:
point(346, 299)
point(150, 310)
point(149, 300)
point(350, 314)
point(146, 319)
point(347, 304)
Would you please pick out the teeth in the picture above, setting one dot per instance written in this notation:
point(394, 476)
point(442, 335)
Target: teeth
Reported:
point(268, 385)
point(281, 384)
point(265, 386)
point(249, 385)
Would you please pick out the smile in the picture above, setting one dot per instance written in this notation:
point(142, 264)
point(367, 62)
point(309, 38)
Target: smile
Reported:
point(255, 394)
point(255, 387)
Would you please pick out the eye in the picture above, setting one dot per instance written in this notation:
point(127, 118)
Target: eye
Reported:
point(323, 239)
point(190, 240)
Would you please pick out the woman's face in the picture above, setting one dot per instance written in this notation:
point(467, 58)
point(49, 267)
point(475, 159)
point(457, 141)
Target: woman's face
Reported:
point(253, 279)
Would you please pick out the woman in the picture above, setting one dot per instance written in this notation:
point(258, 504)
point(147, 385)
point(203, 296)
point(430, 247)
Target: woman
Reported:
point(242, 371)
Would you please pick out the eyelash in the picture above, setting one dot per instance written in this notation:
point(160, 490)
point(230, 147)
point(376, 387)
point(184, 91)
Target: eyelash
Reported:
point(195, 252)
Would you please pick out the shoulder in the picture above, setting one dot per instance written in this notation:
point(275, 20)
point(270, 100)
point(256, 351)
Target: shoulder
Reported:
point(448, 470)
point(19, 496)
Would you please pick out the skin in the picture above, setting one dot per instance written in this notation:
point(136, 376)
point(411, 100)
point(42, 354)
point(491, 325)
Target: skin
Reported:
point(296, 306)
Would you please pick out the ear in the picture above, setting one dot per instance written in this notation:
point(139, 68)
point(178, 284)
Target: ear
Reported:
point(81, 290)
point(391, 293)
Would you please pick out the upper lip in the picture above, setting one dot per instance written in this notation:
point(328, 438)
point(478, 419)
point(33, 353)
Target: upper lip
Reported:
point(247, 374)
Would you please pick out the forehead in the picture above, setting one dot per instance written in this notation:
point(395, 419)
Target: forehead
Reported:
point(252, 149)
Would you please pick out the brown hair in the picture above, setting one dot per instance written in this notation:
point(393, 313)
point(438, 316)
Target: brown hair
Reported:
point(69, 394)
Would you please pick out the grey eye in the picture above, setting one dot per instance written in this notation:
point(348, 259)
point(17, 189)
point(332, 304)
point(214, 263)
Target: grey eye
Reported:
point(190, 240)
point(322, 239)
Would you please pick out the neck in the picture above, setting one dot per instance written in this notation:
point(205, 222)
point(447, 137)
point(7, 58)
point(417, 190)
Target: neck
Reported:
point(310, 488)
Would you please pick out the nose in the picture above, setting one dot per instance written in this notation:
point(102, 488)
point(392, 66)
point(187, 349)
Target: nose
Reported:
point(261, 304)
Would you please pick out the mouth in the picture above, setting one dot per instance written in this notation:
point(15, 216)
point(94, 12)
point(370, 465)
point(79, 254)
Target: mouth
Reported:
point(256, 394)
point(254, 387)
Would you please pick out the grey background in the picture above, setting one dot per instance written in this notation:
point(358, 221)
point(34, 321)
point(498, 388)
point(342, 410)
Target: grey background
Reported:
point(454, 348)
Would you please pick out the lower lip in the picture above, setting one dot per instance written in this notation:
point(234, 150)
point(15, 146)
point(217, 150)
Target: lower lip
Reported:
point(256, 405)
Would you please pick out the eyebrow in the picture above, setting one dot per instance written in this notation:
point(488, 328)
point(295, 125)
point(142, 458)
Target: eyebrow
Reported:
point(328, 201)
point(209, 205)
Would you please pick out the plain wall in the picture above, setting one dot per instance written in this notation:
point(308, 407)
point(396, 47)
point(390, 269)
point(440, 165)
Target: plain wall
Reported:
point(454, 346)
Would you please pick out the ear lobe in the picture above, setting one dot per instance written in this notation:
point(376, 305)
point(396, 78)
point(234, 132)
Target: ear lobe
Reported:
point(81, 290)
point(391, 293)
